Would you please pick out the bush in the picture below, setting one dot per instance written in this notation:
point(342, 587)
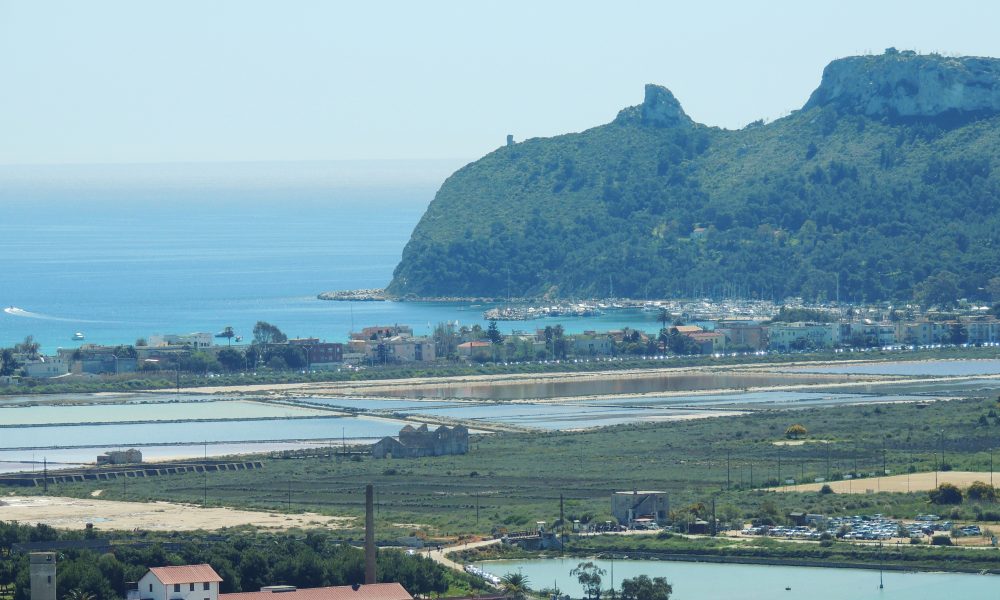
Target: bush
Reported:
point(946, 493)
point(795, 432)
point(981, 492)
point(826, 489)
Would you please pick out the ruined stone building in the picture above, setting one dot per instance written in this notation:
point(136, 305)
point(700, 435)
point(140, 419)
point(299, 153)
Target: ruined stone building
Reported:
point(420, 441)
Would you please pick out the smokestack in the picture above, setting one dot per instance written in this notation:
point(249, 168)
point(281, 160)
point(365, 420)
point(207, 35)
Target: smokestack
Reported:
point(369, 534)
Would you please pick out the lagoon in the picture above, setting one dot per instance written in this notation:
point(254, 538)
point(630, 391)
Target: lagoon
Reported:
point(159, 411)
point(710, 581)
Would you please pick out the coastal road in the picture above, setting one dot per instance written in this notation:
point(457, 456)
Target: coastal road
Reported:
point(439, 556)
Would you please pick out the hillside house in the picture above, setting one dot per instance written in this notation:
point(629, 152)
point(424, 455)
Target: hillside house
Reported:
point(188, 582)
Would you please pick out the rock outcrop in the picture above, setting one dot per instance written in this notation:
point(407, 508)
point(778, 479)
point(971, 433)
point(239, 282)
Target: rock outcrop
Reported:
point(659, 108)
point(909, 85)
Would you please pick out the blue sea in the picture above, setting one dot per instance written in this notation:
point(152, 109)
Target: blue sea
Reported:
point(122, 252)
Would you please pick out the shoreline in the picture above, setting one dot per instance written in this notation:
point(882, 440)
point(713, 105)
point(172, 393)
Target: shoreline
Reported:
point(758, 560)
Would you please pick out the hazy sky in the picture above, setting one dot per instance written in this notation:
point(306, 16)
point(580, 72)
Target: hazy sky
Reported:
point(127, 81)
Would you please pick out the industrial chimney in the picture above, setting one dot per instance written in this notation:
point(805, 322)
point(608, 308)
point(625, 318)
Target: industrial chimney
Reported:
point(369, 534)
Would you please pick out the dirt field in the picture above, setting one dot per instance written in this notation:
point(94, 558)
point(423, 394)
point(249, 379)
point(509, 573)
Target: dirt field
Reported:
point(75, 513)
point(915, 482)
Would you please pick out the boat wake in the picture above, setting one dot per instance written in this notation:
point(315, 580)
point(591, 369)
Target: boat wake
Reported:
point(27, 314)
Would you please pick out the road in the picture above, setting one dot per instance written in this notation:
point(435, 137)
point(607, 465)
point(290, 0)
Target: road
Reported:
point(439, 556)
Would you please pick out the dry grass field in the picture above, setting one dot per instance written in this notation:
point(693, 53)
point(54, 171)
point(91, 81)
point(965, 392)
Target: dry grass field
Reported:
point(915, 482)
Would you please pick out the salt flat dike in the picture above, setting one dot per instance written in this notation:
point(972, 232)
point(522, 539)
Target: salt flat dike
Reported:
point(882, 186)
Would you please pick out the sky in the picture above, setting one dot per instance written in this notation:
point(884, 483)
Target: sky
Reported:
point(119, 81)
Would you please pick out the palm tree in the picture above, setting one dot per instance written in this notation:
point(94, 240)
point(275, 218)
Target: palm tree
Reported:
point(664, 316)
point(515, 585)
point(78, 594)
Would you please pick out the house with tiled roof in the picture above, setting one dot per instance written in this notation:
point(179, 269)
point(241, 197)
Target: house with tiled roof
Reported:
point(186, 582)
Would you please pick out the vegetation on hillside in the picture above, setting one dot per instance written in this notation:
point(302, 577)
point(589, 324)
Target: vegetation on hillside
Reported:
point(820, 204)
point(245, 560)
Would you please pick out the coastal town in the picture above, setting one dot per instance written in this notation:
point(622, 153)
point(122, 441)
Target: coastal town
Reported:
point(499, 301)
point(680, 328)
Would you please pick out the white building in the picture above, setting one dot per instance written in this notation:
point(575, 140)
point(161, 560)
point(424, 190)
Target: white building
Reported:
point(188, 582)
point(47, 366)
point(783, 336)
point(195, 340)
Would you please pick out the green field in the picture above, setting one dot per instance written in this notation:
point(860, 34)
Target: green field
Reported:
point(517, 479)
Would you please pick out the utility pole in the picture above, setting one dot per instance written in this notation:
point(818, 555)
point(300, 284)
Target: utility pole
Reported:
point(477, 507)
point(562, 519)
point(204, 469)
point(828, 462)
point(883, 457)
point(727, 469)
point(45, 474)
point(715, 522)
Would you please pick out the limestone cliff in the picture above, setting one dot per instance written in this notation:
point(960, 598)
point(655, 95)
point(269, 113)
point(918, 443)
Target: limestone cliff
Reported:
point(659, 108)
point(908, 85)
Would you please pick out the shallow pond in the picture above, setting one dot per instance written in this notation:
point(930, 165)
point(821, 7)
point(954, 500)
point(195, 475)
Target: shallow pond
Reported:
point(682, 381)
point(709, 581)
point(160, 411)
point(929, 368)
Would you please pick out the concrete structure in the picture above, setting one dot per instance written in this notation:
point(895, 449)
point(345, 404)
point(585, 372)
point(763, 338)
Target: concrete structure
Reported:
point(195, 340)
point(630, 506)
point(592, 345)
point(790, 336)
point(320, 355)
point(743, 333)
point(42, 574)
point(475, 349)
point(188, 582)
point(382, 331)
point(983, 330)
point(120, 457)
point(922, 333)
point(46, 367)
point(709, 342)
point(867, 334)
point(420, 441)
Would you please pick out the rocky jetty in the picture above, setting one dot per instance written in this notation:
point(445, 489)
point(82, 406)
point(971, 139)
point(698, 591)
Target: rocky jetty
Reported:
point(370, 295)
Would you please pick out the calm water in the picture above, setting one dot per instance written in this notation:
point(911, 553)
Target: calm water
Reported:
point(197, 432)
point(929, 368)
point(706, 581)
point(110, 413)
point(601, 387)
point(120, 253)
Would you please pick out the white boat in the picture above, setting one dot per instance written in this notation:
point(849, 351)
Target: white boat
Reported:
point(77, 336)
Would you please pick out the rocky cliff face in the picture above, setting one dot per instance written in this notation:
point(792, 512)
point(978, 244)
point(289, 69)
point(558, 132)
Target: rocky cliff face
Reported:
point(659, 108)
point(908, 85)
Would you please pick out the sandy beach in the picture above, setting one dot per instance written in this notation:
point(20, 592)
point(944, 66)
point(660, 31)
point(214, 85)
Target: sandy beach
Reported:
point(75, 513)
